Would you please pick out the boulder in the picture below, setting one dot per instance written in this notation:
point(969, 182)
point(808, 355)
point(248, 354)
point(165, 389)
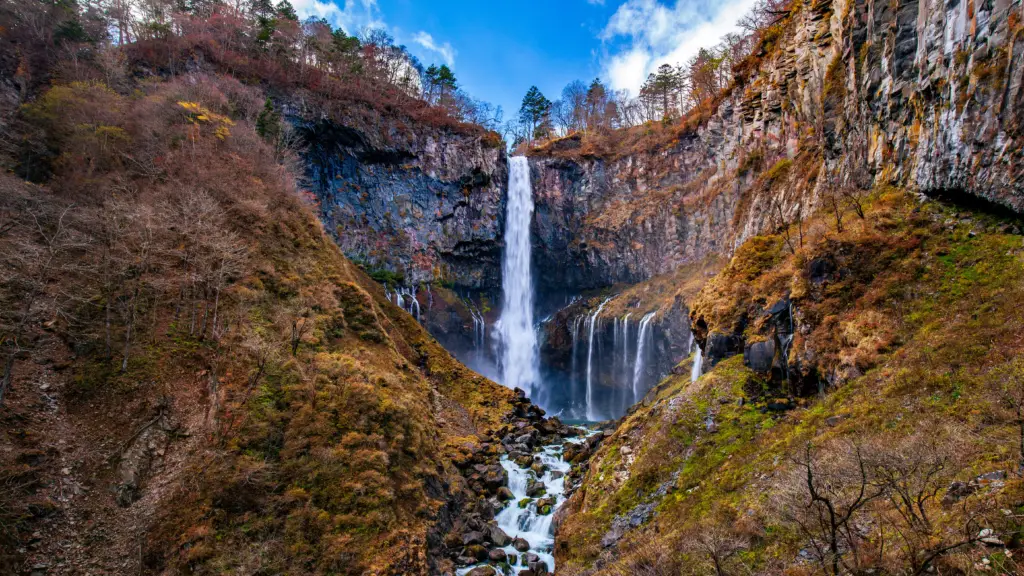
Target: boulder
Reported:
point(535, 488)
point(721, 346)
point(497, 555)
point(530, 558)
point(472, 537)
point(513, 559)
point(760, 356)
point(520, 544)
point(499, 537)
point(481, 571)
point(539, 568)
point(475, 551)
point(504, 494)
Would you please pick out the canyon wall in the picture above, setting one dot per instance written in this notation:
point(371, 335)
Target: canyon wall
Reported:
point(846, 94)
point(419, 207)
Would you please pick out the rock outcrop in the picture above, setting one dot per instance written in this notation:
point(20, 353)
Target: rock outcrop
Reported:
point(845, 95)
point(421, 207)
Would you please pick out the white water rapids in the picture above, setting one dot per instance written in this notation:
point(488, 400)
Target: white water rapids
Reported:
point(525, 522)
point(519, 354)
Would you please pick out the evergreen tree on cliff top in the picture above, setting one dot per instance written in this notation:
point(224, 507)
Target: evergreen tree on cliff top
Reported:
point(536, 113)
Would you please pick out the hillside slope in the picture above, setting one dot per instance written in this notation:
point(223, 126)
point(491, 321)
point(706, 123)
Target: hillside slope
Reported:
point(861, 414)
point(201, 382)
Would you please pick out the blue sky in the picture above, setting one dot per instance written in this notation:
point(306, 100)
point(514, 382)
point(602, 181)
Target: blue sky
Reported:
point(499, 49)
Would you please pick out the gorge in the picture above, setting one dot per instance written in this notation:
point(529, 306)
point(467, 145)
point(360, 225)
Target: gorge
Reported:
point(278, 299)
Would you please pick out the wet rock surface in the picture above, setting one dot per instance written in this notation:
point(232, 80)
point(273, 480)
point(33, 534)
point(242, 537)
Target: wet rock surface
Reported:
point(480, 540)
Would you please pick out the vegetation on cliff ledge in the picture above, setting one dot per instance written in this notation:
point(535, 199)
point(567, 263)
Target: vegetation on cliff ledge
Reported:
point(907, 459)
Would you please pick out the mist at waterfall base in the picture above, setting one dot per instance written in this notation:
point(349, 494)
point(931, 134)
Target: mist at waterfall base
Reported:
point(610, 367)
point(613, 363)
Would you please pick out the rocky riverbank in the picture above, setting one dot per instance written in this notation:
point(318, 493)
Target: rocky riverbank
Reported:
point(521, 475)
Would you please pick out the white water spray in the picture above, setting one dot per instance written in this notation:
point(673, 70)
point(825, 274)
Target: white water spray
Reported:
point(697, 366)
point(518, 340)
point(643, 332)
point(625, 343)
point(591, 321)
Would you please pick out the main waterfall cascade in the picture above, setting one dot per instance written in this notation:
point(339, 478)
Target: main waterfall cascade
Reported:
point(518, 338)
point(593, 383)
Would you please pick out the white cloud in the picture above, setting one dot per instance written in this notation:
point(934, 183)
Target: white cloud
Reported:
point(351, 15)
point(445, 50)
point(659, 34)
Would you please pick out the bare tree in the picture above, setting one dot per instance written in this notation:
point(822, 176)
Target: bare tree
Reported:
point(764, 14)
point(783, 225)
point(825, 496)
point(716, 544)
point(40, 247)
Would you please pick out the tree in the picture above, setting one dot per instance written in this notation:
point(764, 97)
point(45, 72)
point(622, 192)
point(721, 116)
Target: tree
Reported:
point(440, 85)
point(38, 250)
point(705, 71)
point(535, 113)
point(571, 110)
point(764, 14)
point(716, 544)
point(286, 11)
point(597, 112)
point(825, 495)
point(268, 123)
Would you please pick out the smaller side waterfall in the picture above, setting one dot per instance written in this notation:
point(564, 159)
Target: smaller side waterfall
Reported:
point(643, 334)
point(574, 373)
point(697, 366)
point(625, 341)
point(591, 322)
point(405, 298)
point(479, 327)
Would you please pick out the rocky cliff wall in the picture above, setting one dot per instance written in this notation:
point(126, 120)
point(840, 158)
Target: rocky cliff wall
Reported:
point(421, 207)
point(848, 94)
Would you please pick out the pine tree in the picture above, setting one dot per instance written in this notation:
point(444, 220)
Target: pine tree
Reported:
point(286, 11)
point(268, 123)
point(446, 81)
point(536, 113)
point(430, 82)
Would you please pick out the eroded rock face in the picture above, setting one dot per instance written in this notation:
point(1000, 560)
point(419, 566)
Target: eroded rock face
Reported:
point(923, 94)
point(425, 206)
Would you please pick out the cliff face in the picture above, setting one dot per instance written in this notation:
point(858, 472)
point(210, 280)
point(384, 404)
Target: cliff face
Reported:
point(924, 95)
point(416, 206)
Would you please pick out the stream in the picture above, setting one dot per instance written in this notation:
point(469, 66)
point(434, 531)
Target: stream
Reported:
point(522, 519)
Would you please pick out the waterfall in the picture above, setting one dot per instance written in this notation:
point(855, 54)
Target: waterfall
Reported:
point(519, 360)
point(479, 326)
point(591, 321)
point(643, 332)
point(414, 304)
point(697, 361)
point(625, 344)
point(573, 376)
